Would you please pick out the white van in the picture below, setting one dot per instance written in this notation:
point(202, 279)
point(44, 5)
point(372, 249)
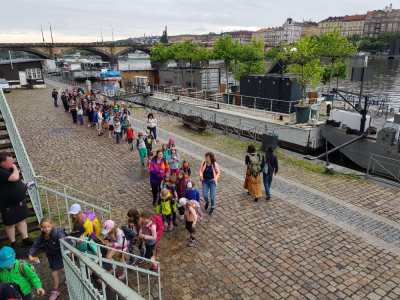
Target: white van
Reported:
point(4, 85)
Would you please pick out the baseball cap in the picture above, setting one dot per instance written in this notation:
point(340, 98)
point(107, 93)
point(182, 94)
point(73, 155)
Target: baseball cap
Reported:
point(74, 209)
point(7, 256)
point(122, 103)
point(171, 140)
point(107, 226)
point(182, 202)
point(77, 231)
point(147, 130)
point(189, 185)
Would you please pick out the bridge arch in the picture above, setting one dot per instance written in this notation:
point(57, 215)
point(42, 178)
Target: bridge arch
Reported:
point(101, 53)
point(145, 50)
point(33, 51)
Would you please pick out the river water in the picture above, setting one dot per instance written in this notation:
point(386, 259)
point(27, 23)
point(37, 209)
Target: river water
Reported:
point(386, 78)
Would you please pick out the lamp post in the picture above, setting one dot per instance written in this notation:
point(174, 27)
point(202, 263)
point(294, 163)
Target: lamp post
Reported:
point(112, 33)
point(101, 33)
point(41, 29)
point(51, 33)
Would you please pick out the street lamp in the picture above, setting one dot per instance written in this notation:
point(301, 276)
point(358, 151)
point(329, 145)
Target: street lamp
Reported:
point(112, 33)
point(41, 29)
point(101, 33)
point(51, 33)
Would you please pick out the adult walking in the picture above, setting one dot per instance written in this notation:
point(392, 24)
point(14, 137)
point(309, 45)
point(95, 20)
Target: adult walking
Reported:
point(158, 168)
point(54, 95)
point(252, 173)
point(269, 167)
point(209, 173)
point(64, 99)
point(13, 207)
point(152, 126)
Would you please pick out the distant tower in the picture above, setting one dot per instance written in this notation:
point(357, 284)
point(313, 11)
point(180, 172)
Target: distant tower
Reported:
point(166, 33)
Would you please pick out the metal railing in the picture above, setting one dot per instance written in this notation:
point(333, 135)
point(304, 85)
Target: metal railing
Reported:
point(384, 166)
point(24, 163)
point(81, 286)
point(57, 198)
point(65, 81)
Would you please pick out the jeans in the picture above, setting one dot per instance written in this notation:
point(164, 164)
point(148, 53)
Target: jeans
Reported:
point(118, 134)
point(74, 115)
point(154, 131)
point(80, 117)
point(267, 180)
point(209, 185)
point(55, 101)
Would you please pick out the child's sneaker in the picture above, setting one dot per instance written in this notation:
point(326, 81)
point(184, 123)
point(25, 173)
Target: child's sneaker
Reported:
point(111, 271)
point(189, 239)
point(153, 269)
point(140, 261)
point(181, 217)
point(201, 217)
point(192, 243)
point(170, 228)
point(122, 276)
point(175, 224)
point(54, 294)
point(131, 261)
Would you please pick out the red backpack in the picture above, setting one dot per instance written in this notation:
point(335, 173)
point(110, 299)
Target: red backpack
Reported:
point(159, 226)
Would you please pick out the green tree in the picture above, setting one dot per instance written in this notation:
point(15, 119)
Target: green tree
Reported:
point(251, 59)
point(339, 72)
point(228, 51)
point(161, 54)
point(334, 47)
point(164, 37)
point(354, 39)
point(304, 62)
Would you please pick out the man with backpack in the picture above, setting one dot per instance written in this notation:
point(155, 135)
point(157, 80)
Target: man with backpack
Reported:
point(252, 169)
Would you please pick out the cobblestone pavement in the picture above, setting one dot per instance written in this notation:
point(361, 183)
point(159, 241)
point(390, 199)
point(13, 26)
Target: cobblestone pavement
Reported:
point(318, 238)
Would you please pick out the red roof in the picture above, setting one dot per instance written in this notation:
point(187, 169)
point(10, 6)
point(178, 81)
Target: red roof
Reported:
point(180, 38)
point(354, 17)
point(261, 30)
point(333, 19)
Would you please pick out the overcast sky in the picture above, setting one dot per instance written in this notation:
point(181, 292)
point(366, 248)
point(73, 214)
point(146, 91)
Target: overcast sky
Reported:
point(81, 20)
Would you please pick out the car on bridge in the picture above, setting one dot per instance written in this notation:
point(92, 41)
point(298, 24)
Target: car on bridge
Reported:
point(4, 85)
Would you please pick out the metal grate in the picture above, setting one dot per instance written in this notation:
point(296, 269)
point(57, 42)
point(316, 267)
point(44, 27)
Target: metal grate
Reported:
point(62, 130)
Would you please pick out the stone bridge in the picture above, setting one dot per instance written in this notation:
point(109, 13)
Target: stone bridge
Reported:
point(108, 51)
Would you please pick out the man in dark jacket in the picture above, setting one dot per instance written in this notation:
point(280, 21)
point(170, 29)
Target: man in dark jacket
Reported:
point(269, 159)
point(64, 99)
point(54, 95)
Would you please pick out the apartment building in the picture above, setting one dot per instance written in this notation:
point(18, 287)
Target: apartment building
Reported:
point(386, 20)
point(330, 23)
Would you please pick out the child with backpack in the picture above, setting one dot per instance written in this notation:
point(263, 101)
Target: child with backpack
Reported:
point(171, 186)
point(140, 144)
point(134, 222)
point(79, 232)
point(116, 239)
point(50, 239)
point(19, 272)
point(148, 232)
point(166, 152)
point(148, 140)
point(173, 161)
point(181, 191)
point(193, 194)
point(165, 209)
point(87, 219)
point(130, 135)
point(191, 218)
point(252, 173)
point(186, 169)
point(117, 129)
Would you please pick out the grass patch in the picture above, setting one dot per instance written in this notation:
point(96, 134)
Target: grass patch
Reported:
point(299, 163)
point(206, 133)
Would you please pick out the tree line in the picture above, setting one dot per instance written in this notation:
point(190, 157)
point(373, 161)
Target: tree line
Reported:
point(378, 43)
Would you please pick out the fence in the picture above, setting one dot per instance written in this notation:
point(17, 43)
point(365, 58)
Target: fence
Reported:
point(82, 286)
point(24, 163)
point(384, 166)
point(57, 199)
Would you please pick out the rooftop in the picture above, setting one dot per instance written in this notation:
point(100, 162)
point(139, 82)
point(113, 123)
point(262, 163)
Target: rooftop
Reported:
point(18, 61)
point(354, 17)
point(333, 19)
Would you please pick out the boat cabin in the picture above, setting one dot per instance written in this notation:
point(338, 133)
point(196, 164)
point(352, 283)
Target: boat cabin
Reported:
point(22, 72)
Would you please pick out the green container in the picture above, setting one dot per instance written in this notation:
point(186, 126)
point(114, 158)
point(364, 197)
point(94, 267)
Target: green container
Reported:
point(302, 113)
point(231, 99)
point(235, 88)
point(207, 94)
point(329, 98)
point(225, 98)
point(191, 90)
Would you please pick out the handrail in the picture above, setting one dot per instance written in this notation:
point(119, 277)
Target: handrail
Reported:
point(28, 173)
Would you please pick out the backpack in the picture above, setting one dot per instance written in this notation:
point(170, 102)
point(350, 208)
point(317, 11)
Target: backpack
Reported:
point(128, 232)
point(11, 290)
point(148, 140)
point(254, 166)
point(22, 271)
point(92, 217)
point(159, 225)
point(99, 242)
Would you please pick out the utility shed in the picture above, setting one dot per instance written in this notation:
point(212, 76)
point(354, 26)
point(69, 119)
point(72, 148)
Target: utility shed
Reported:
point(21, 72)
point(203, 79)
